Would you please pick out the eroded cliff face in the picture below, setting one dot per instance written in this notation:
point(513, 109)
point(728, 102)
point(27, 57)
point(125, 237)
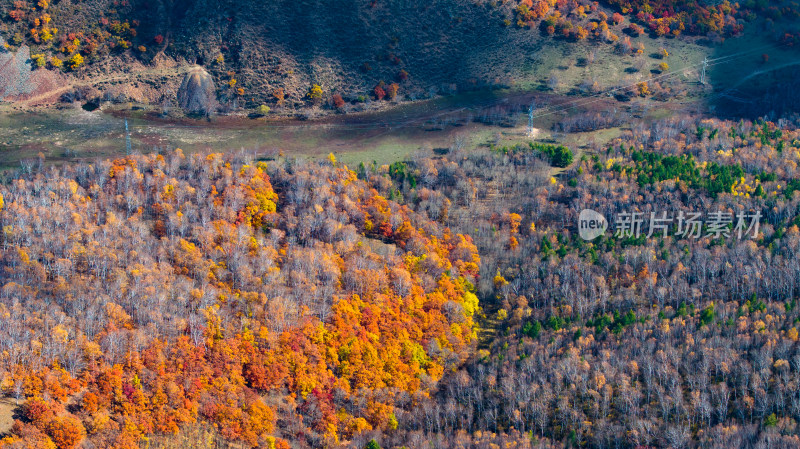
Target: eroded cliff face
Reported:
point(15, 72)
point(18, 80)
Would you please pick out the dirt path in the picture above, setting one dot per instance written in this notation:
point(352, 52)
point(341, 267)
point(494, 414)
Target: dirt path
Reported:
point(761, 72)
point(46, 97)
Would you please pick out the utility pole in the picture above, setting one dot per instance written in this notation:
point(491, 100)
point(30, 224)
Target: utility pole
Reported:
point(127, 139)
point(530, 119)
point(705, 66)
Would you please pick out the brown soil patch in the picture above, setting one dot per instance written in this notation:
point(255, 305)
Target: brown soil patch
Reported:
point(8, 408)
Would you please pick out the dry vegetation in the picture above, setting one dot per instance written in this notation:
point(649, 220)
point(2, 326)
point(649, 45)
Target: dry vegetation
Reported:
point(440, 301)
point(274, 53)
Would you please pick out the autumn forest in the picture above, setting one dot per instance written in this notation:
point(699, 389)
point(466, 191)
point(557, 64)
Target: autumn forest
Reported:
point(287, 303)
point(399, 224)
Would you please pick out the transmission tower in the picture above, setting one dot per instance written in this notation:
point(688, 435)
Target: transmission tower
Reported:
point(530, 119)
point(127, 139)
point(705, 66)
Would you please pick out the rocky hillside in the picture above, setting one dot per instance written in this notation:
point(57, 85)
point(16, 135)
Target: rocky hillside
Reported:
point(275, 52)
point(17, 81)
point(255, 48)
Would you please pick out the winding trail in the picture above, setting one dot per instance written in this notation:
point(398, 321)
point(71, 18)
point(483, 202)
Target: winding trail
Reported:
point(763, 71)
point(46, 97)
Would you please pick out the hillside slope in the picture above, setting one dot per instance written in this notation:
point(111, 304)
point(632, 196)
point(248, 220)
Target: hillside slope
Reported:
point(350, 46)
point(255, 48)
point(267, 52)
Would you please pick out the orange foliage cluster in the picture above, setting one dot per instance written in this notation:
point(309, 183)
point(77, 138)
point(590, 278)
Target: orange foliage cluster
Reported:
point(562, 17)
point(189, 289)
point(529, 11)
point(672, 17)
point(563, 21)
point(37, 24)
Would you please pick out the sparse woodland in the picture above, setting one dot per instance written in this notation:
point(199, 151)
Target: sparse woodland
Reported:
point(660, 342)
point(166, 298)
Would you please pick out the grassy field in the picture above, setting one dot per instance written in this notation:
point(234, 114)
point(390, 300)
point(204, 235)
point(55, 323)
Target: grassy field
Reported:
point(741, 57)
point(569, 63)
point(383, 137)
point(396, 133)
point(386, 136)
point(754, 79)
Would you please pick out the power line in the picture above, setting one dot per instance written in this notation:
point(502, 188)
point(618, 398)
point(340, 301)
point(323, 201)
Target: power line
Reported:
point(583, 101)
point(705, 66)
point(530, 119)
point(595, 98)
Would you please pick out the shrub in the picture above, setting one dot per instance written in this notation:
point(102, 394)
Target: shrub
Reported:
point(314, 93)
point(39, 60)
point(279, 95)
point(38, 412)
point(391, 91)
point(338, 101)
point(66, 431)
point(379, 92)
point(75, 61)
point(635, 30)
point(707, 315)
point(553, 82)
point(771, 421)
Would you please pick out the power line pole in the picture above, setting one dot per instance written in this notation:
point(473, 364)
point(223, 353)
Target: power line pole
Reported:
point(127, 139)
point(705, 66)
point(530, 119)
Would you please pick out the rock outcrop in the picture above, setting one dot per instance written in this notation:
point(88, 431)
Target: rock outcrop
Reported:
point(197, 93)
